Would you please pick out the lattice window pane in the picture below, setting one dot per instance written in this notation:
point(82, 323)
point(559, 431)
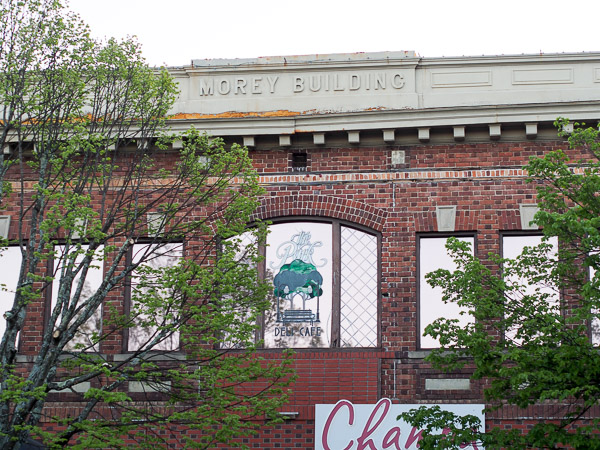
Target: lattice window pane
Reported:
point(359, 280)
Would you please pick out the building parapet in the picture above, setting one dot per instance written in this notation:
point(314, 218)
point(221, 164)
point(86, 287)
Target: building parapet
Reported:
point(387, 90)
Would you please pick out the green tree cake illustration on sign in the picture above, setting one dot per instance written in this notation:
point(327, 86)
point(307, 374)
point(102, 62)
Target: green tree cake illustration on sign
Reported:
point(299, 278)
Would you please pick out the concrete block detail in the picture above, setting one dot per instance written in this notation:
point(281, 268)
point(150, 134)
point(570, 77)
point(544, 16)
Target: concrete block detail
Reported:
point(465, 78)
point(319, 138)
point(531, 130)
point(446, 217)
point(568, 128)
point(527, 213)
point(424, 134)
point(459, 133)
point(495, 131)
point(249, 141)
point(80, 224)
point(285, 140)
point(398, 157)
point(205, 160)
point(143, 144)
point(143, 386)
point(447, 384)
point(539, 76)
point(155, 221)
point(80, 387)
point(354, 137)
point(389, 135)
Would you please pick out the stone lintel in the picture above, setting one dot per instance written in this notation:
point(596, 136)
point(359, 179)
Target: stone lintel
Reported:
point(447, 384)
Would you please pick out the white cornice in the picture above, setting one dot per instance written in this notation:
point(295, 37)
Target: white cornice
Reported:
point(386, 90)
point(511, 59)
point(304, 61)
point(373, 120)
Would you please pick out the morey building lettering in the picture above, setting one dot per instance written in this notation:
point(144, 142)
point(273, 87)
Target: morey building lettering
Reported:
point(369, 162)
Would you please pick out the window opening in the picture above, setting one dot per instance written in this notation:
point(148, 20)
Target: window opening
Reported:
point(239, 311)
point(84, 338)
point(358, 306)
point(433, 255)
point(325, 285)
point(512, 247)
point(146, 282)
point(10, 268)
point(299, 162)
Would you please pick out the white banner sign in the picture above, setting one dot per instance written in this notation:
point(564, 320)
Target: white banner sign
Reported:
point(345, 426)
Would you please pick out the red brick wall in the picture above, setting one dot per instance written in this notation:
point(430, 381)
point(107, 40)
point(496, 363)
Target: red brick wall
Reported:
point(486, 184)
point(487, 204)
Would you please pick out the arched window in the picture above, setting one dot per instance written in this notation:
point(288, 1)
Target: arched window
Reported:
point(325, 285)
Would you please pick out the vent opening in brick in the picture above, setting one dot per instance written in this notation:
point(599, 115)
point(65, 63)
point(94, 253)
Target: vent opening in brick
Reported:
point(299, 162)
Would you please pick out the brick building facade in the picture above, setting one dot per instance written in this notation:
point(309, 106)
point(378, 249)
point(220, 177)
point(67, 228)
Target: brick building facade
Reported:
point(404, 151)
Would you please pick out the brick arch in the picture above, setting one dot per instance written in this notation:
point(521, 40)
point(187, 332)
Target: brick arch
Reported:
point(321, 206)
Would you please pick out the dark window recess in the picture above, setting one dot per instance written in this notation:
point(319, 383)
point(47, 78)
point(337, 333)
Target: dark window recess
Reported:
point(299, 162)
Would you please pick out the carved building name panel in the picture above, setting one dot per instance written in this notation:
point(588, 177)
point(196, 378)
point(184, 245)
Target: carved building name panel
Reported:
point(283, 84)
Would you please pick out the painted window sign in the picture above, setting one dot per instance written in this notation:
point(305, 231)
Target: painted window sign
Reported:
point(298, 260)
point(300, 277)
point(324, 279)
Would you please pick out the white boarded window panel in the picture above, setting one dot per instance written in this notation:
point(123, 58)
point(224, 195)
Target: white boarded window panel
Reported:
point(595, 323)
point(10, 267)
point(247, 239)
point(93, 280)
point(161, 256)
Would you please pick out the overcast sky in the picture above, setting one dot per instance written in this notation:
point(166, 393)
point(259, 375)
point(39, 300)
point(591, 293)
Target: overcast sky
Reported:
point(173, 32)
